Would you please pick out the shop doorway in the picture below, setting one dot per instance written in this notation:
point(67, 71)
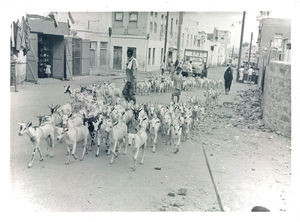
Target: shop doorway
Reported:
point(117, 63)
point(50, 52)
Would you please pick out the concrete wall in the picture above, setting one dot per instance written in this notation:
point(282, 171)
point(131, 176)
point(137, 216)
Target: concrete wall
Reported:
point(125, 42)
point(277, 97)
point(157, 45)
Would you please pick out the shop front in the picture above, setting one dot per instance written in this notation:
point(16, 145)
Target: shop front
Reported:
point(50, 53)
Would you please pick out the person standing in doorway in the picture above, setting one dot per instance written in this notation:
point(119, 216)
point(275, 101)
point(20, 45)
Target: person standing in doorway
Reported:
point(162, 67)
point(228, 78)
point(177, 80)
point(129, 90)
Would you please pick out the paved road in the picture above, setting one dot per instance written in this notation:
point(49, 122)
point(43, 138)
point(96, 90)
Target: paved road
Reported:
point(244, 167)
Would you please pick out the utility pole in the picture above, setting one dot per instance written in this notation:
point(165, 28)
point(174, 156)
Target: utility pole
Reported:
point(166, 38)
point(179, 35)
point(232, 53)
point(250, 50)
point(241, 43)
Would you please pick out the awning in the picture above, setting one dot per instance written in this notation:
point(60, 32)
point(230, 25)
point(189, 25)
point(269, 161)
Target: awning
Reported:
point(46, 25)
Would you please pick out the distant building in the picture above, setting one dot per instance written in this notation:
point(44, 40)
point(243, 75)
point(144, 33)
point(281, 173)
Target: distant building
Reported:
point(222, 37)
point(245, 54)
point(91, 40)
point(273, 42)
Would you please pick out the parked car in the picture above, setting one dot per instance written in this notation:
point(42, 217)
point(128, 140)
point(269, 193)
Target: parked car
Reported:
point(197, 68)
point(185, 70)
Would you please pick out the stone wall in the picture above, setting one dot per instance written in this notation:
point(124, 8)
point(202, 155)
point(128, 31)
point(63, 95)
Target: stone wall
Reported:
point(277, 97)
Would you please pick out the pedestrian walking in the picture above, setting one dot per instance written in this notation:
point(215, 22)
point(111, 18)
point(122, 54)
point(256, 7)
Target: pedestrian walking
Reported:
point(129, 90)
point(162, 68)
point(250, 71)
point(228, 78)
point(241, 73)
point(190, 66)
point(204, 71)
point(177, 79)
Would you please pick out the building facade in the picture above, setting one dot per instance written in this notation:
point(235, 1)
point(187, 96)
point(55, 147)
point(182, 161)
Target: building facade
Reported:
point(245, 54)
point(91, 40)
point(273, 43)
point(100, 40)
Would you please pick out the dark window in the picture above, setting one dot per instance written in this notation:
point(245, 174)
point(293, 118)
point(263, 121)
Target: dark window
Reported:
point(153, 56)
point(93, 47)
point(103, 52)
point(133, 17)
point(149, 56)
point(155, 27)
point(156, 14)
point(151, 26)
point(119, 16)
point(171, 25)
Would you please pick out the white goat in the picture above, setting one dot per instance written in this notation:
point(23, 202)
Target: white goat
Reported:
point(138, 141)
point(176, 131)
point(117, 132)
point(72, 136)
point(36, 135)
point(154, 128)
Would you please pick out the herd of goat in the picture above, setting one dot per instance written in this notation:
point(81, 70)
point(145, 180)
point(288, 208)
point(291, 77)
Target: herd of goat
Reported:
point(98, 113)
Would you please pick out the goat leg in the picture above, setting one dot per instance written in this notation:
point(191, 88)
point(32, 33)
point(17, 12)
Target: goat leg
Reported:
point(68, 155)
point(98, 146)
point(84, 149)
point(125, 148)
point(40, 154)
point(51, 138)
point(98, 150)
point(113, 152)
point(74, 151)
point(135, 155)
point(32, 158)
point(154, 143)
point(143, 155)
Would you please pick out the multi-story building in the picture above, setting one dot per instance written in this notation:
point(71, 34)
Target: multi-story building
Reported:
point(149, 33)
point(145, 33)
point(222, 37)
point(108, 35)
point(273, 33)
point(245, 54)
point(91, 39)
